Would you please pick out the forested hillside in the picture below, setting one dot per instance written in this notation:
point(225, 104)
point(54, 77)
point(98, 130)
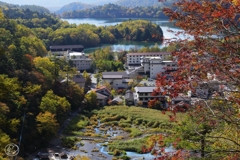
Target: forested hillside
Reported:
point(116, 11)
point(53, 31)
point(31, 95)
point(74, 6)
point(39, 9)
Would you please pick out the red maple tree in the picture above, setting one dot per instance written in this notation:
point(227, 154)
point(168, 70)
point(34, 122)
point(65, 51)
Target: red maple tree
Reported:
point(208, 67)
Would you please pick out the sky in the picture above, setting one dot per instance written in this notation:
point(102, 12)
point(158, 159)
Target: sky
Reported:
point(52, 3)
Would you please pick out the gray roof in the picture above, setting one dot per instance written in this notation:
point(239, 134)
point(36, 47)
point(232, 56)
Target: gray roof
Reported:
point(115, 73)
point(112, 76)
point(181, 98)
point(127, 80)
point(78, 79)
point(145, 89)
point(101, 96)
point(149, 53)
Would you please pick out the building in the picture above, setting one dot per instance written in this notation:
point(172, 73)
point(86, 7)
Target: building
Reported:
point(129, 98)
point(102, 99)
point(80, 60)
point(134, 59)
point(79, 79)
point(103, 95)
point(144, 94)
point(74, 54)
point(104, 91)
point(64, 48)
point(119, 80)
point(155, 65)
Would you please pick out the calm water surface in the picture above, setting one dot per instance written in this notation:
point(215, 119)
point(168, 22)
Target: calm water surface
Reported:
point(126, 45)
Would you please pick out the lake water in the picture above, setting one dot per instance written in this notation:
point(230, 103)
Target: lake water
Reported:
point(122, 45)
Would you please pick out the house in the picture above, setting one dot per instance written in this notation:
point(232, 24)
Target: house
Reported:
point(104, 91)
point(103, 95)
point(134, 59)
point(79, 79)
point(102, 99)
point(129, 98)
point(144, 94)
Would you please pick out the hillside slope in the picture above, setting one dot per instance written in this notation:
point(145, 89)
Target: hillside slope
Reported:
point(74, 6)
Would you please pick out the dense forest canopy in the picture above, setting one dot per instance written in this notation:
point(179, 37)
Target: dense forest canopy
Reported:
point(39, 9)
point(53, 31)
point(117, 11)
point(30, 89)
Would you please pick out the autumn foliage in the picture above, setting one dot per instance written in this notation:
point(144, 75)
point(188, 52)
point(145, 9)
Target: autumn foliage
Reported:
point(209, 57)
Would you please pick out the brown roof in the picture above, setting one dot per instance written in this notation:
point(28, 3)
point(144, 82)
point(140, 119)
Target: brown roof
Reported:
point(149, 53)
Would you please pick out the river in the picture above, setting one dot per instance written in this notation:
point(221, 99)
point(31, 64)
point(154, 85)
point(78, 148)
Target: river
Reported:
point(126, 45)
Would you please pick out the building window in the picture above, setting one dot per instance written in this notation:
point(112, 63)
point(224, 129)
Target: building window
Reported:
point(146, 99)
point(146, 94)
point(140, 99)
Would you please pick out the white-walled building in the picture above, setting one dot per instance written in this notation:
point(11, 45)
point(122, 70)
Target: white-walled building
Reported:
point(134, 59)
point(155, 65)
point(80, 60)
point(144, 95)
point(73, 53)
point(119, 80)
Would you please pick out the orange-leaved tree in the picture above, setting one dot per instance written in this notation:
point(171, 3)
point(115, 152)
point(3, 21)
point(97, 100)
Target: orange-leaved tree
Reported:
point(208, 68)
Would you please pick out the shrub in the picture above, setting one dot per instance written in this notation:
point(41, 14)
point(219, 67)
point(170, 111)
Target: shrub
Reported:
point(116, 152)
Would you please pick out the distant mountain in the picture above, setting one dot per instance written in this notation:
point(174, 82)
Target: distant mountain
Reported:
point(57, 3)
point(30, 7)
point(141, 3)
point(115, 11)
point(138, 3)
point(74, 6)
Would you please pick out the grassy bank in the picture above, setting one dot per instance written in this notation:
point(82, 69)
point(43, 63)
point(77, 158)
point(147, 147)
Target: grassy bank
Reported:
point(144, 118)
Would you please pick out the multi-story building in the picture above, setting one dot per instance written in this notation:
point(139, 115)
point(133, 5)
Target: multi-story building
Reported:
point(155, 65)
point(80, 60)
point(144, 95)
point(73, 53)
point(134, 59)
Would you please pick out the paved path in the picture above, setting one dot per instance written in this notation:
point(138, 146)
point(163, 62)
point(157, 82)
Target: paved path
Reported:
point(66, 122)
